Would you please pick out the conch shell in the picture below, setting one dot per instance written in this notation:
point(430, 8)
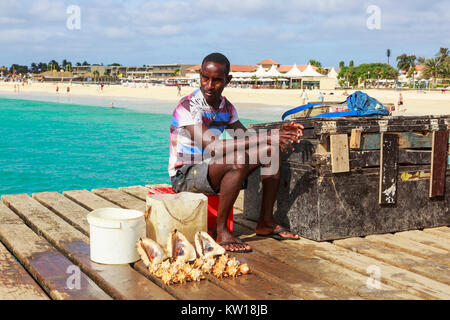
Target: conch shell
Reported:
point(179, 248)
point(151, 252)
point(206, 246)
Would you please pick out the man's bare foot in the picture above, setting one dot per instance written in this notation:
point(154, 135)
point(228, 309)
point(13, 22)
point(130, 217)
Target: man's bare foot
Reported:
point(262, 229)
point(229, 242)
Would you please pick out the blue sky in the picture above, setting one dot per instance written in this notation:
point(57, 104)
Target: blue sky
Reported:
point(138, 32)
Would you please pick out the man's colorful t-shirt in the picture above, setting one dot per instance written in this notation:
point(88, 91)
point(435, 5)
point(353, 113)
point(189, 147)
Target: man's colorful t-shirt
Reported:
point(193, 109)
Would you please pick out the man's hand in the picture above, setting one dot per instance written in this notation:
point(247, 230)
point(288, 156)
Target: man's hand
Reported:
point(290, 133)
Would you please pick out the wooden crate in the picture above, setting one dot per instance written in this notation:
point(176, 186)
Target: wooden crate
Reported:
point(359, 176)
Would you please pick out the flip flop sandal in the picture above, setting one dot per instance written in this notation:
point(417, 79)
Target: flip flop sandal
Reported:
point(276, 235)
point(239, 241)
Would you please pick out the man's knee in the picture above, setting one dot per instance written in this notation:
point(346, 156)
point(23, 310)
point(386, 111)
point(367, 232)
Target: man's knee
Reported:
point(242, 168)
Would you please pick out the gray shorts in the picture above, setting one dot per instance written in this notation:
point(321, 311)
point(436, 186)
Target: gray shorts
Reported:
point(192, 178)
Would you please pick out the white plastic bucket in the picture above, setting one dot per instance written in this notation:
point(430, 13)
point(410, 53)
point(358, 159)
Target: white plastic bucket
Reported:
point(113, 235)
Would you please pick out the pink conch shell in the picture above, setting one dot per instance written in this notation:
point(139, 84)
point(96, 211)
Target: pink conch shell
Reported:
point(206, 246)
point(179, 248)
point(151, 252)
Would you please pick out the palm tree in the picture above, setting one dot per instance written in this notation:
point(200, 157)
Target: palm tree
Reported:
point(421, 60)
point(444, 68)
point(431, 69)
point(42, 66)
point(378, 71)
point(53, 65)
point(347, 75)
point(34, 68)
point(443, 54)
point(407, 63)
point(96, 74)
point(403, 62)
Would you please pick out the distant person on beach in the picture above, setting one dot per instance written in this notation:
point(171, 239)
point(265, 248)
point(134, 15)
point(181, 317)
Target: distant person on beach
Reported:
point(112, 105)
point(400, 100)
point(57, 89)
point(200, 162)
point(179, 90)
point(101, 86)
point(68, 89)
point(320, 96)
point(304, 97)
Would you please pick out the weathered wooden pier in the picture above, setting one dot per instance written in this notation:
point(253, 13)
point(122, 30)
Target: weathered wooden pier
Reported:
point(44, 238)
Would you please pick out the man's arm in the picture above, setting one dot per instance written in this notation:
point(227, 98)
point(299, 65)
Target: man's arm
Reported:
point(212, 144)
point(288, 133)
point(236, 126)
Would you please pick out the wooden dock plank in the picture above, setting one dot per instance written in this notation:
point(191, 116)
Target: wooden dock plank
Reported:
point(428, 268)
point(426, 238)
point(253, 287)
point(88, 200)
point(57, 203)
point(202, 290)
point(119, 198)
point(440, 232)
point(119, 281)
point(248, 287)
point(413, 247)
point(295, 281)
point(47, 265)
point(158, 185)
point(309, 264)
point(15, 282)
point(139, 192)
point(416, 284)
point(443, 228)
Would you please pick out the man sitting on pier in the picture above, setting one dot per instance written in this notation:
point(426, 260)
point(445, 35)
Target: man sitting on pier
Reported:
point(200, 162)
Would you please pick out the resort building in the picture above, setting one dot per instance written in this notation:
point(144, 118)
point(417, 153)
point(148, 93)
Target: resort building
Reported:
point(83, 70)
point(134, 73)
point(3, 72)
point(268, 63)
point(403, 75)
point(271, 74)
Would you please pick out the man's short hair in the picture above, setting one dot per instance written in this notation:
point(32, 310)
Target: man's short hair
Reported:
point(218, 58)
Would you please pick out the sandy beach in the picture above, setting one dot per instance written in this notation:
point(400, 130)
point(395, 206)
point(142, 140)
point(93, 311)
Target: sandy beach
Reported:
point(270, 102)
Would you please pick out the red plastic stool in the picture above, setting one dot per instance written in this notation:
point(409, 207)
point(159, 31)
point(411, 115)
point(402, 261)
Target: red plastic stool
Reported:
point(213, 205)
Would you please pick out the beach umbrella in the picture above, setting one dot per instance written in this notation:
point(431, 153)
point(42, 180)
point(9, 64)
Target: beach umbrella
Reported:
point(260, 72)
point(273, 72)
point(310, 72)
point(293, 73)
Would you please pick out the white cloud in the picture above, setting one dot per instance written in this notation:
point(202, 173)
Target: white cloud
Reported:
point(239, 26)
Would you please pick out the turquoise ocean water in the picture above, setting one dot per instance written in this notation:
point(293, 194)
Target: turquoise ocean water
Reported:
point(48, 146)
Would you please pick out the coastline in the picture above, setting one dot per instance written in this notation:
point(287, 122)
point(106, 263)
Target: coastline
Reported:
point(255, 104)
